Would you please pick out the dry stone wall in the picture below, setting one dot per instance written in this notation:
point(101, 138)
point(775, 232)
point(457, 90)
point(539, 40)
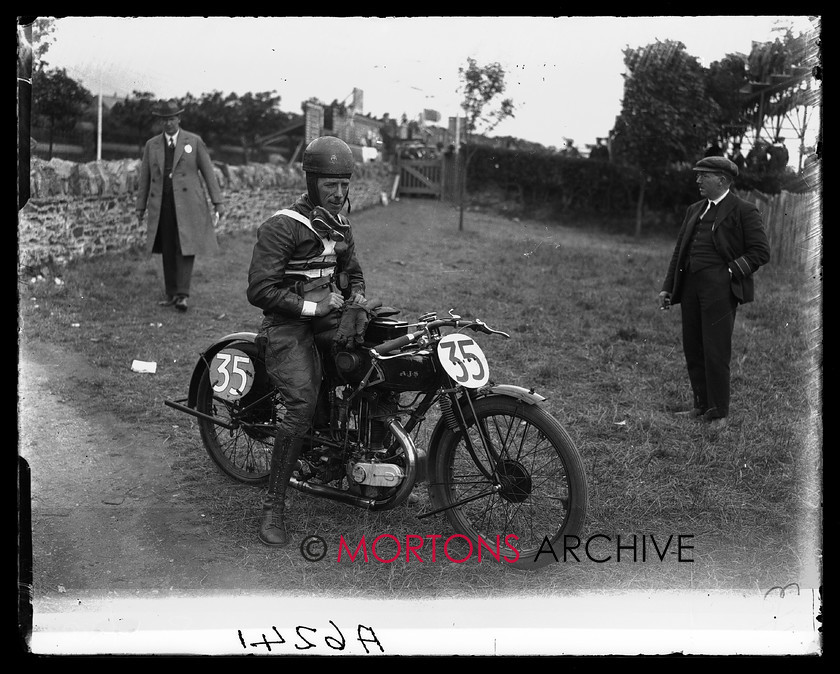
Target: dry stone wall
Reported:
point(78, 211)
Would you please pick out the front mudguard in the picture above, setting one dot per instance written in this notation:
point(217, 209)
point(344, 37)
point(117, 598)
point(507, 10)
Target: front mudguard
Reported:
point(206, 357)
point(502, 390)
point(511, 391)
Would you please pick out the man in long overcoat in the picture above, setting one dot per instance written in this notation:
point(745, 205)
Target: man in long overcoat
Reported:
point(175, 177)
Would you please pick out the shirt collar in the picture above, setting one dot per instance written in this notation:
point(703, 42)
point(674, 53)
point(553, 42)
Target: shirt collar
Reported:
point(174, 137)
point(720, 198)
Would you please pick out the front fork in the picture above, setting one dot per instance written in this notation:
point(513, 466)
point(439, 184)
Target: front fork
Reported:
point(455, 403)
point(456, 420)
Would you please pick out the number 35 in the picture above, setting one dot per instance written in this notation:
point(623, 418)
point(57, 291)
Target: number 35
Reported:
point(232, 373)
point(463, 360)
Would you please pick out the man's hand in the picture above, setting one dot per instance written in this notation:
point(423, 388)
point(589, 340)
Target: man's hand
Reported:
point(354, 321)
point(329, 303)
point(355, 298)
point(665, 300)
point(140, 216)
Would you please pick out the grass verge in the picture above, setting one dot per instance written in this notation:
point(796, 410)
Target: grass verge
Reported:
point(586, 333)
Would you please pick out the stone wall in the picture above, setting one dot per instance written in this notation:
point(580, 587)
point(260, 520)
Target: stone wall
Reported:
point(78, 211)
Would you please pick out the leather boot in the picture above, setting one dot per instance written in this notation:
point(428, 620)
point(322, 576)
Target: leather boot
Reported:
point(283, 461)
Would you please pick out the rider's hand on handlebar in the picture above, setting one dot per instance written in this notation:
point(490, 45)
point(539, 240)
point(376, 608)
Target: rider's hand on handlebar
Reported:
point(329, 303)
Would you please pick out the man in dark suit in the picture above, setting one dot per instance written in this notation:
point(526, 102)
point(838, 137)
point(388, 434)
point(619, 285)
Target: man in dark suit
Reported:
point(180, 225)
point(721, 244)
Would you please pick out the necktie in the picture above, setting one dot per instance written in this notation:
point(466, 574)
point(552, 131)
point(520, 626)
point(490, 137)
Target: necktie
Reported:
point(169, 158)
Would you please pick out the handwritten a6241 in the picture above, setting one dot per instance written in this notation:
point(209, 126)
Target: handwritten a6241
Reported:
point(364, 635)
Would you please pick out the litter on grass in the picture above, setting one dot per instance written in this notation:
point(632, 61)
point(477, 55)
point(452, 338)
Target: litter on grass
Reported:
point(143, 366)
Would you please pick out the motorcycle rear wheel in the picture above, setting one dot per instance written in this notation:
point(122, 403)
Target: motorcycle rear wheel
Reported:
point(531, 487)
point(242, 452)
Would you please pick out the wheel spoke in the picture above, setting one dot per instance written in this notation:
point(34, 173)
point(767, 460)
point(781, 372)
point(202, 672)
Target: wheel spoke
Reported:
point(239, 448)
point(242, 448)
point(535, 489)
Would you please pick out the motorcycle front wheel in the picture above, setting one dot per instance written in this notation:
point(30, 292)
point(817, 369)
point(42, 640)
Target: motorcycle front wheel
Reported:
point(241, 447)
point(523, 483)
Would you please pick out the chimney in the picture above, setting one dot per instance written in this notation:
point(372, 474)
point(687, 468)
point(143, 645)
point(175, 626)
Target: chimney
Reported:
point(358, 101)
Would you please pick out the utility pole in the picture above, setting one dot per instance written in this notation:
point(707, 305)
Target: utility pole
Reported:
point(99, 123)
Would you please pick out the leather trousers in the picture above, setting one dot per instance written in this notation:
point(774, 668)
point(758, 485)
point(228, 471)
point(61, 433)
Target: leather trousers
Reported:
point(293, 364)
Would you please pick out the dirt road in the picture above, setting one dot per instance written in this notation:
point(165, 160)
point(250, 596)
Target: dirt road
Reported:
point(110, 517)
point(106, 509)
point(107, 517)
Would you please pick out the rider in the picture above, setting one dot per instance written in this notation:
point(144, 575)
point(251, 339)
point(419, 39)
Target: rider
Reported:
point(303, 271)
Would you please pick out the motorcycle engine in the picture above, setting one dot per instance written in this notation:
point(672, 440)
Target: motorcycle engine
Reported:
point(375, 474)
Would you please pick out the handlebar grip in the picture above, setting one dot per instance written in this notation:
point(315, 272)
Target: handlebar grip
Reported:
point(395, 344)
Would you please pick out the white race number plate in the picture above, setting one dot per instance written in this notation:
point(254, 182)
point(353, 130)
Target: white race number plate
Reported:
point(463, 360)
point(231, 374)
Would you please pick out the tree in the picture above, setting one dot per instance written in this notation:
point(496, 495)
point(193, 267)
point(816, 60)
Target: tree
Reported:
point(34, 40)
point(24, 106)
point(724, 81)
point(254, 116)
point(208, 115)
point(667, 116)
point(132, 118)
point(480, 87)
point(58, 101)
point(43, 29)
point(237, 120)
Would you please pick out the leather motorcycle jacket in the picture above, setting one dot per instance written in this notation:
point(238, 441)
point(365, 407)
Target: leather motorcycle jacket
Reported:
point(288, 254)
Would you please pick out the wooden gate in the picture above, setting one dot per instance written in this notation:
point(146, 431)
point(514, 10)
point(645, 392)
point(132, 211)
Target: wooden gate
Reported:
point(421, 176)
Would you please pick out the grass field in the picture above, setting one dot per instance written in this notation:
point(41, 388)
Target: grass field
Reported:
point(581, 308)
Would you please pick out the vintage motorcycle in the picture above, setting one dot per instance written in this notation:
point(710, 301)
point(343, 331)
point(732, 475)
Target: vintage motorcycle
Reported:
point(496, 463)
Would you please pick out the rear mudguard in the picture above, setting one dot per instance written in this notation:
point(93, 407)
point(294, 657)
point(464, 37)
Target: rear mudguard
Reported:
point(207, 356)
point(502, 390)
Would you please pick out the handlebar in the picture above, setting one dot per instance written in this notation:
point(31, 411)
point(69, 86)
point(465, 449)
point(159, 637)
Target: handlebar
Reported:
point(430, 327)
point(397, 343)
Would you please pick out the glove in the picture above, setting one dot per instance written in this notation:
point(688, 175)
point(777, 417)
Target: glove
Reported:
point(384, 311)
point(354, 321)
point(345, 336)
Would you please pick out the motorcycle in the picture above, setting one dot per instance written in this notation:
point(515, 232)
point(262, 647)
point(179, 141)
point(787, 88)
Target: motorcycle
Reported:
point(500, 467)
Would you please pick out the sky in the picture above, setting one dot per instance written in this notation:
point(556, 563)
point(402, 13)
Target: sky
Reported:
point(563, 74)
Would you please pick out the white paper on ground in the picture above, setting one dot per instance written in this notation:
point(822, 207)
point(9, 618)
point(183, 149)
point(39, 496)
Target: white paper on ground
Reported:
point(143, 366)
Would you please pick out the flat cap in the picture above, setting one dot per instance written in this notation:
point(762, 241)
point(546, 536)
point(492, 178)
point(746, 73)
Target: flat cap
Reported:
point(168, 109)
point(717, 165)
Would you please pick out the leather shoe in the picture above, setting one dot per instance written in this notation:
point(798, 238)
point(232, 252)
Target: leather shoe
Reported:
point(168, 302)
point(692, 414)
point(716, 420)
point(181, 303)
